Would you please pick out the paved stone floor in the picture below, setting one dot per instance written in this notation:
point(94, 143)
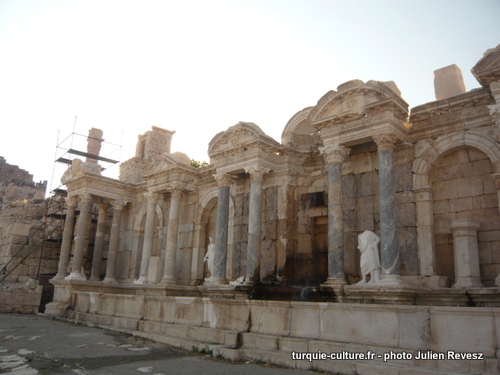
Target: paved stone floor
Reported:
point(32, 344)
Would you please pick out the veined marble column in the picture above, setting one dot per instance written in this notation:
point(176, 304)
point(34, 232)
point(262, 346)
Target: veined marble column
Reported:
point(67, 239)
point(172, 233)
point(114, 241)
point(149, 232)
point(221, 229)
point(81, 230)
point(335, 155)
point(255, 224)
point(99, 242)
point(389, 246)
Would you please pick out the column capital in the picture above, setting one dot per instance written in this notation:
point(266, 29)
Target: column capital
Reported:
point(423, 194)
point(223, 179)
point(119, 204)
point(102, 206)
point(257, 172)
point(152, 197)
point(85, 198)
point(71, 201)
point(385, 142)
point(175, 192)
point(335, 153)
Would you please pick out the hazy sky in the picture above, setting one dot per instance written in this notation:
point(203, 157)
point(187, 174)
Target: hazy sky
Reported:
point(199, 67)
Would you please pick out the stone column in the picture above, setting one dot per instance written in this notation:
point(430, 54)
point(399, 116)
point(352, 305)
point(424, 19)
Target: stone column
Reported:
point(99, 242)
point(255, 224)
point(67, 239)
point(335, 155)
point(425, 230)
point(221, 229)
point(149, 231)
point(114, 241)
point(496, 176)
point(466, 253)
point(172, 233)
point(388, 220)
point(81, 230)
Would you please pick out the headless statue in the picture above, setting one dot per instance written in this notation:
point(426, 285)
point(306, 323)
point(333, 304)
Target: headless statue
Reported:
point(370, 260)
point(209, 256)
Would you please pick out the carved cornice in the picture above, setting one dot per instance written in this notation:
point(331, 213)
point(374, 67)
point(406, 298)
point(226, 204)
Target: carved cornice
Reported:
point(335, 153)
point(385, 142)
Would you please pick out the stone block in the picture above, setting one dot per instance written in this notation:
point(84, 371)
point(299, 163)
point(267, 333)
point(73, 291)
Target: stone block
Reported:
point(371, 368)
point(362, 163)
point(155, 269)
point(304, 320)
point(266, 342)
point(484, 201)
point(19, 229)
point(461, 204)
point(467, 187)
point(270, 317)
point(476, 330)
point(406, 215)
point(349, 186)
point(485, 256)
point(442, 207)
point(408, 250)
point(489, 185)
point(365, 214)
point(347, 167)
point(213, 336)
point(488, 236)
point(288, 344)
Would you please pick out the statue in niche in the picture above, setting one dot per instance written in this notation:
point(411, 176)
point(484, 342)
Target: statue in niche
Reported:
point(370, 260)
point(209, 256)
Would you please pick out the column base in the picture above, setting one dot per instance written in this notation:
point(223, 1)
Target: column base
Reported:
point(78, 276)
point(58, 277)
point(334, 281)
point(468, 282)
point(141, 281)
point(168, 280)
point(94, 278)
point(214, 281)
point(390, 280)
point(109, 280)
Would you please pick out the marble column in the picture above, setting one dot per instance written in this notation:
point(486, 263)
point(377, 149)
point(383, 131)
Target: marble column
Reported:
point(221, 229)
point(425, 230)
point(172, 233)
point(99, 242)
point(81, 230)
point(335, 155)
point(255, 224)
point(114, 241)
point(149, 231)
point(466, 254)
point(390, 259)
point(67, 239)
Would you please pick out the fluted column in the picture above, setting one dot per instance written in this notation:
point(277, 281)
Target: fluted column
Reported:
point(114, 241)
point(390, 258)
point(221, 229)
point(255, 224)
point(67, 239)
point(99, 242)
point(81, 230)
point(149, 231)
point(335, 155)
point(172, 233)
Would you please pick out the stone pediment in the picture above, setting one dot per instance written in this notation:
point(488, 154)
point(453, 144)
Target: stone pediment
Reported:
point(239, 138)
point(354, 100)
point(169, 161)
point(487, 69)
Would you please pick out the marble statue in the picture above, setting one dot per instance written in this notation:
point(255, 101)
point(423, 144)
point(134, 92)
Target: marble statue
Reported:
point(370, 260)
point(209, 256)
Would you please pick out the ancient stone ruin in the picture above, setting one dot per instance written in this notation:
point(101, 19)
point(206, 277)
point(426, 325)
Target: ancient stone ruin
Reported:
point(285, 219)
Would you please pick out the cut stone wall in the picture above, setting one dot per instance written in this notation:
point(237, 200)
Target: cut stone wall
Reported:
point(464, 188)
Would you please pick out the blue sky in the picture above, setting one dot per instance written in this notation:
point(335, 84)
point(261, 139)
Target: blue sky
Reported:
point(199, 67)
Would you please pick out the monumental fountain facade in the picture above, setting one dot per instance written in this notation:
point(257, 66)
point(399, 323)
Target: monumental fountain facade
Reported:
point(282, 222)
